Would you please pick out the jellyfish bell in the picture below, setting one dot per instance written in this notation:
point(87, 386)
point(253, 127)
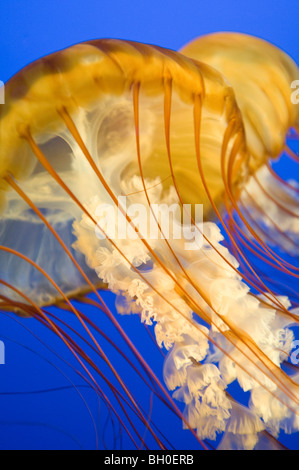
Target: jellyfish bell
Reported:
point(261, 75)
point(88, 89)
point(111, 119)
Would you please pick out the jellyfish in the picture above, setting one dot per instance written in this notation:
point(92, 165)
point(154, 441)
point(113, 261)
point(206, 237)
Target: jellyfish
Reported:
point(140, 170)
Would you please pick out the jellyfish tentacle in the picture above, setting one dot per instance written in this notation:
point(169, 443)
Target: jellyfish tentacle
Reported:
point(79, 352)
point(168, 93)
point(281, 180)
point(55, 353)
point(42, 158)
point(292, 154)
point(263, 96)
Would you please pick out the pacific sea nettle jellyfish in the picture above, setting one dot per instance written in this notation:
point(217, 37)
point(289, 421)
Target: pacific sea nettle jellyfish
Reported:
point(112, 125)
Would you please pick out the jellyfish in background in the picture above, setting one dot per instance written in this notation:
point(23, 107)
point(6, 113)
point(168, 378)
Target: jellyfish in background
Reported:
point(111, 121)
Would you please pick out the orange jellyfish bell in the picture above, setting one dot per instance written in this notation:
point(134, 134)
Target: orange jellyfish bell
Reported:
point(100, 139)
point(261, 76)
